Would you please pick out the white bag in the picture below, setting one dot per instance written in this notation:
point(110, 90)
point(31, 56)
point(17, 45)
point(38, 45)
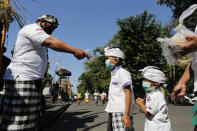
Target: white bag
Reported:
point(170, 45)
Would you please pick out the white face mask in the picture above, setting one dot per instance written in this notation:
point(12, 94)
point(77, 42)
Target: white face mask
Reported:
point(108, 65)
point(147, 87)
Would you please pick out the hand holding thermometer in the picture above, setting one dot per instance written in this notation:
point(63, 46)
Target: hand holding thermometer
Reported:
point(88, 54)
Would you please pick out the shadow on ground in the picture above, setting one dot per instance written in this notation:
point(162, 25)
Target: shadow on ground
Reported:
point(72, 122)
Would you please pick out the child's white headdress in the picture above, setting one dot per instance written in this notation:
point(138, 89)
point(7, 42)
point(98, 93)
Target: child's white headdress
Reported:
point(116, 52)
point(153, 74)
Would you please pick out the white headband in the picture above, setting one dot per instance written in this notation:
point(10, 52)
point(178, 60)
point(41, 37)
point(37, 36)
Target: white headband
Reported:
point(116, 52)
point(153, 74)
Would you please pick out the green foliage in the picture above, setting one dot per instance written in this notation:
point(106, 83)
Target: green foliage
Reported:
point(177, 7)
point(97, 76)
point(137, 38)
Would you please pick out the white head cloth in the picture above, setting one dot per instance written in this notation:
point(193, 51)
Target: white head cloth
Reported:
point(153, 74)
point(115, 52)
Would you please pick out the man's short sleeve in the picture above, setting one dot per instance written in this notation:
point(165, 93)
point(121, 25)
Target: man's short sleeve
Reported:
point(125, 78)
point(35, 34)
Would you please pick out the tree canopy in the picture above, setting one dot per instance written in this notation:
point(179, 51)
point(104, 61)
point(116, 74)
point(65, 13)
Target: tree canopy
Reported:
point(137, 38)
point(177, 7)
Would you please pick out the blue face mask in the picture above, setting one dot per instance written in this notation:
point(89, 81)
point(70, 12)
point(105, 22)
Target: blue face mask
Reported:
point(108, 65)
point(146, 86)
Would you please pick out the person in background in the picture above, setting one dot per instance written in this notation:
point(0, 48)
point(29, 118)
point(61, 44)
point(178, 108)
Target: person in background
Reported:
point(86, 97)
point(75, 98)
point(103, 97)
point(79, 97)
point(96, 97)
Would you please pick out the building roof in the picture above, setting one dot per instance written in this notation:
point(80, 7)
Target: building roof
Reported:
point(63, 72)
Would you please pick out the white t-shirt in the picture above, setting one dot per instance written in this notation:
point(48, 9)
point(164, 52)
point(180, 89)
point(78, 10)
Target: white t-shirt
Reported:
point(103, 95)
point(86, 95)
point(120, 78)
point(156, 105)
point(29, 61)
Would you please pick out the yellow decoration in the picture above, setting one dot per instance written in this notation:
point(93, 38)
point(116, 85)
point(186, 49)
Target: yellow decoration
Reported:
point(4, 4)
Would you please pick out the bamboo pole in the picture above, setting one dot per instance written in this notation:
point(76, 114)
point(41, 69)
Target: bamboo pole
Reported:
point(2, 45)
point(3, 35)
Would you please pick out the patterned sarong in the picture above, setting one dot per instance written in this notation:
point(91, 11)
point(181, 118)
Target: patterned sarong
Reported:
point(22, 106)
point(115, 122)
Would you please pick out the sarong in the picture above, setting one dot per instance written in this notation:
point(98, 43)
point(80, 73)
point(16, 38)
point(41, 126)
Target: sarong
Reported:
point(22, 106)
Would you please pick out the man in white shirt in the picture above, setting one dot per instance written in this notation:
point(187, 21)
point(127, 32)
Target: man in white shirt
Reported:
point(22, 102)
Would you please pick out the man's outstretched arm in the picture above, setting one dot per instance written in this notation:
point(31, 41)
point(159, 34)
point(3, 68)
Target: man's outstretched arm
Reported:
point(60, 46)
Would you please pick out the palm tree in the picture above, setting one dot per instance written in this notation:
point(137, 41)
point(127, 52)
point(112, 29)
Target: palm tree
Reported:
point(10, 10)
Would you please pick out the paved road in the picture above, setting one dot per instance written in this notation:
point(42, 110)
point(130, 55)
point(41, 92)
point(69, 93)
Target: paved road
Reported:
point(94, 118)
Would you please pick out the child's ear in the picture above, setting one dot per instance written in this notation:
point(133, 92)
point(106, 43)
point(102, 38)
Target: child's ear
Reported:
point(116, 61)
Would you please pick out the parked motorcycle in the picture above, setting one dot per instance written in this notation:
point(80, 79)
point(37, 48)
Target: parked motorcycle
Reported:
point(188, 99)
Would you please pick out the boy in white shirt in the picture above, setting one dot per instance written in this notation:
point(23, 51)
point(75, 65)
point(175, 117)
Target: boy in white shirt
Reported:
point(120, 97)
point(155, 109)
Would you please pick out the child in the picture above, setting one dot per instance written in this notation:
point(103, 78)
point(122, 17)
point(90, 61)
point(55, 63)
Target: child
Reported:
point(120, 97)
point(155, 110)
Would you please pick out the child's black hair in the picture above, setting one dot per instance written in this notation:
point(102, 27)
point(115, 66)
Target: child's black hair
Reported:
point(120, 60)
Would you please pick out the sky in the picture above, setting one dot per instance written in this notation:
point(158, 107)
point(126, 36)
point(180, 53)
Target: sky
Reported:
point(84, 24)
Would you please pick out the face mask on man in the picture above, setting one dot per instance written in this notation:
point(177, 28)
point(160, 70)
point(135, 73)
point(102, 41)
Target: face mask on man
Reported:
point(147, 87)
point(108, 65)
point(47, 29)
